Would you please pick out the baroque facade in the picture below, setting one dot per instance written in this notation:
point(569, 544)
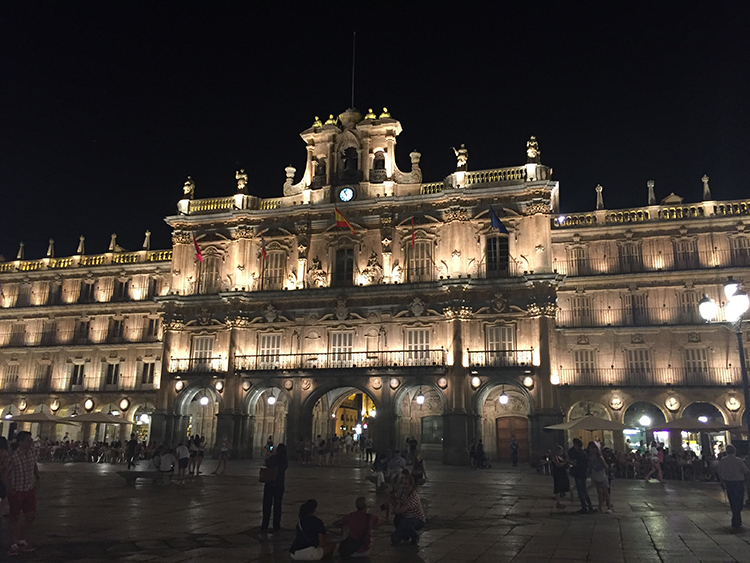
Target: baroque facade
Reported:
point(414, 316)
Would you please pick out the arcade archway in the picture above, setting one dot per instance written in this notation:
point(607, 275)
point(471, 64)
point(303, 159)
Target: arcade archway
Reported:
point(344, 411)
point(589, 408)
point(505, 417)
point(704, 443)
point(639, 418)
point(200, 406)
point(420, 416)
point(269, 408)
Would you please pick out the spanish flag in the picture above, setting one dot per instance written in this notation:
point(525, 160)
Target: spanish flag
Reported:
point(341, 222)
point(198, 254)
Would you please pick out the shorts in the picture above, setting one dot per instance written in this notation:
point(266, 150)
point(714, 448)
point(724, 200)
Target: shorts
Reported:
point(183, 463)
point(308, 554)
point(200, 453)
point(21, 501)
point(224, 454)
point(194, 453)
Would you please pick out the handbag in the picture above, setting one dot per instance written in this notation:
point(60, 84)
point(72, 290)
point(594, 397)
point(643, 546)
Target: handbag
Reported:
point(349, 545)
point(267, 474)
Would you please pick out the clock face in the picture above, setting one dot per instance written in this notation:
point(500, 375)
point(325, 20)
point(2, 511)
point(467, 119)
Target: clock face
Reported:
point(346, 194)
point(672, 403)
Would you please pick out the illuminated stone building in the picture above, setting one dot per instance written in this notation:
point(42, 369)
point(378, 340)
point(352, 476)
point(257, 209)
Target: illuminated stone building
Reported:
point(415, 315)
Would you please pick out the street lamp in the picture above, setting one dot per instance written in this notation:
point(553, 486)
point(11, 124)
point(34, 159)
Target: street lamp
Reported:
point(737, 305)
point(420, 397)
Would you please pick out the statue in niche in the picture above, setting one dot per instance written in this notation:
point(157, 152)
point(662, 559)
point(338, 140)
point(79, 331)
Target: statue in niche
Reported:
point(373, 273)
point(291, 280)
point(189, 188)
point(316, 276)
point(396, 273)
point(350, 159)
point(462, 157)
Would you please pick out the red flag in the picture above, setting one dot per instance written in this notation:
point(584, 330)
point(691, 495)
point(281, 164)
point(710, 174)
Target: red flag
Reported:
point(198, 254)
point(413, 236)
point(341, 222)
point(263, 252)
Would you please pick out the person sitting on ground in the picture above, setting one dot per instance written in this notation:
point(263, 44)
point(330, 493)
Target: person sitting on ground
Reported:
point(409, 515)
point(357, 527)
point(311, 542)
point(396, 467)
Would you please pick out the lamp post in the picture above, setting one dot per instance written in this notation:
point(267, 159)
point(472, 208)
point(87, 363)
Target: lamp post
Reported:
point(735, 308)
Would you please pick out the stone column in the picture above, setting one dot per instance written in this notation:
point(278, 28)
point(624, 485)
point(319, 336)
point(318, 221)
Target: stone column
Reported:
point(293, 416)
point(548, 411)
point(458, 423)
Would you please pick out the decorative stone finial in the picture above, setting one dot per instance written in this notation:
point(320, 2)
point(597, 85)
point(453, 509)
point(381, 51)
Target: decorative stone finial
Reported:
point(113, 242)
point(80, 250)
point(290, 171)
point(386, 114)
point(19, 256)
point(241, 180)
point(706, 189)
point(415, 158)
point(370, 114)
point(189, 188)
point(599, 197)
point(331, 120)
point(147, 241)
point(51, 249)
point(317, 122)
point(462, 158)
point(651, 196)
point(533, 154)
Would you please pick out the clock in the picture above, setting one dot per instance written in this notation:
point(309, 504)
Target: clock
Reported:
point(346, 194)
point(615, 402)
point(672, 403)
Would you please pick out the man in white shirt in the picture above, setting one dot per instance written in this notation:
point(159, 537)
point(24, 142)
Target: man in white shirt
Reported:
point(732, 471)
point(183, 458)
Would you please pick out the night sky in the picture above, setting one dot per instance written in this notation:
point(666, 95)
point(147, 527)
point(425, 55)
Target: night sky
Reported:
point(107, 107)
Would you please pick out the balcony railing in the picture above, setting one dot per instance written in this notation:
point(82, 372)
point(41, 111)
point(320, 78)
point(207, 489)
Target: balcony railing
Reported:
point(86, 261)
point(623, 377)
point(654, 263)
point(341, 360)
point(197, 365)
point(661, 316)
point(499, 358)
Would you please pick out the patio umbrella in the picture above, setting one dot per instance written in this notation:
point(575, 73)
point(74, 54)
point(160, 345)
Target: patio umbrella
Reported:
point(98, 417)
point(690, 424)
point(588, 423)
point(40, 417)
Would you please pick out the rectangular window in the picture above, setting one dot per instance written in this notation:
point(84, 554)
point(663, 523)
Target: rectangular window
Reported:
point(497, 256)
point(417, 346)
point(116, 328)
point(18, 334)
point(635, 312)
point(42, 377)
point(501, 344)
point(203, 349)
point(77, 374)
point(210, 280)
point(24, 295)
point(82, 331)
point(585, 362)
point(343, 274)
point(630, 258)
point(696, 366)
point(10, 380)
point(685, 254)
point(87, 293)
point(432, 429)
point(147, 373)
point(639, 365)
point(687, 311)
point(740, 251)
point(49, 333)
point(341, 349)
point(581, 312)
point(121, 290)
point(153, 328)
point(270, 348)
point(113, 374)
point(420, 262)
point(577, 263)
point(274, 266)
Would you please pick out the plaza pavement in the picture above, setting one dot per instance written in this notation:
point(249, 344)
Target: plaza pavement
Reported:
point(499, 515)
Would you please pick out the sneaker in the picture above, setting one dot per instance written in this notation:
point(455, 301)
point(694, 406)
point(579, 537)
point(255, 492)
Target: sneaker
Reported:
point(14, 550)
point(583, 511)
point(25, 546)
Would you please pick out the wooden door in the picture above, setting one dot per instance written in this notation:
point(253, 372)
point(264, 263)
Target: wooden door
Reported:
point(507, 428)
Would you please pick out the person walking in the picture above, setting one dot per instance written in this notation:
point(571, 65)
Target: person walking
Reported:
point(21, 477)
point(223, 458)
point(131, 451)
point(560, 475)
point(183, 459)
point(655, 465)
point(732, 472)
point(579, 471)
point(273, 491)
point(513, 451)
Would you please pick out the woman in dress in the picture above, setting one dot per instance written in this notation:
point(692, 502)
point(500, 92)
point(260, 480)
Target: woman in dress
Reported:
point(560, 475)
point(599, 476)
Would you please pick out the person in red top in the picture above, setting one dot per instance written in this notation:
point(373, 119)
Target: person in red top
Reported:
point(360, 523)
point(21, 476)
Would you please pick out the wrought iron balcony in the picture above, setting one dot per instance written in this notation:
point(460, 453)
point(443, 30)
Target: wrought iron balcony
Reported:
point(656, 316)
point(341, 360)
point(500, 358)
point(198, 365)
point(649, 377)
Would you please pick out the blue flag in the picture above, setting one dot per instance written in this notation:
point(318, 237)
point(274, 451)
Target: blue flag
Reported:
point(497, 223)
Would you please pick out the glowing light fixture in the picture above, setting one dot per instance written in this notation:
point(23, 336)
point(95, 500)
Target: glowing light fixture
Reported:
point(144, 418)
point(179, 384)
point(420, 397)
point(204, 401)
point(373, 413)
point(703, 419)
point(707, 308)
point(528, 382)
point(730, 287)
point(475, 382)
point(737, 306)
point(8, 416)
point(503, 398)
point(219, 385)
point(272, 399)
point(645, 420)
point(333, 415)
point(554, 379)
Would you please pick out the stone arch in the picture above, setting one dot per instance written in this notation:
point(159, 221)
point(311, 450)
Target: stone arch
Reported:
point(631, 415)
point(326, 399)
point(267, 420)
point(582, 408)
point(197, 419)
point(5, 424)
point(709, 442)
point(499, 422)
point(705, 408)
point(423, 422)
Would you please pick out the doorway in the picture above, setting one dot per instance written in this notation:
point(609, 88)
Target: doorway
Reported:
point(507, 428)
